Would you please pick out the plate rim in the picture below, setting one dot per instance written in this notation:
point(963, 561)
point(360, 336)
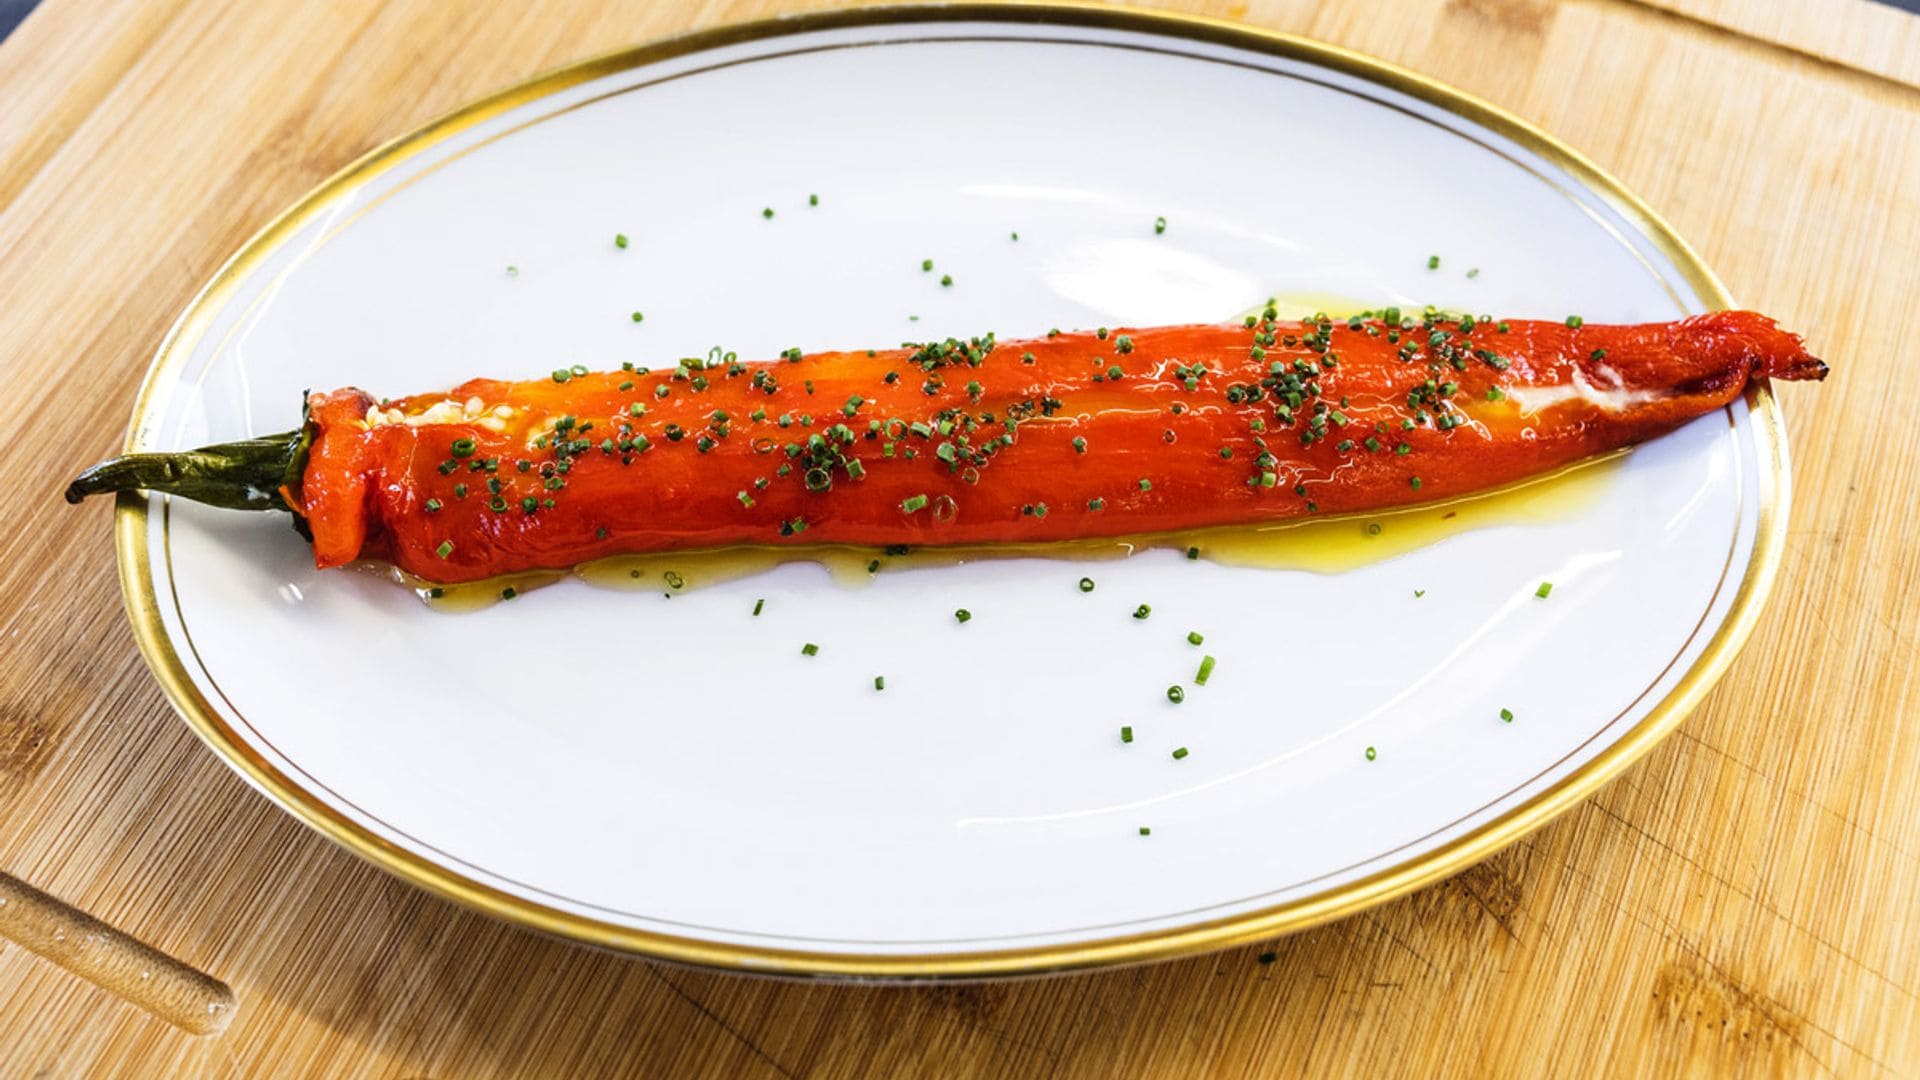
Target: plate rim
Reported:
point(157, 649)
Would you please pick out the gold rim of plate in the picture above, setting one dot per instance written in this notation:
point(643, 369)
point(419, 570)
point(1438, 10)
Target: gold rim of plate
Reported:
point(137, 583)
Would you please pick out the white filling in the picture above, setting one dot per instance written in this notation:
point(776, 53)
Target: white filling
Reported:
point(471, 411)
point(1614, 399)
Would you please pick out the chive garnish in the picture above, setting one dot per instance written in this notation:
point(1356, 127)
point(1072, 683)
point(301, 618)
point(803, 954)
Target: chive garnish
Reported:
point(1086, 584)
point(1159, 225)
point(1195, 637)
point(1176, 694)
point(759, 605)
point(1545, 588)
point(620, 240)
point(962, 615)
point(810, 649)
point(879, 682)
point(1507, 715)
point(1126, 733)
point(445, 549)
point(1179, 752)
point(1206, 671)
point(1142, 611)
point(1145, 831)
point(1371, 753)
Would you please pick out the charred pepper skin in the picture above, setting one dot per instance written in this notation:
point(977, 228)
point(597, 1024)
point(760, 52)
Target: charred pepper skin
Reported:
point(1060, 437)
point(1142, 430)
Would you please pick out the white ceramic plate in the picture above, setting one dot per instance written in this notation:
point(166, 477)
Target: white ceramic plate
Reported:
point(672, 775)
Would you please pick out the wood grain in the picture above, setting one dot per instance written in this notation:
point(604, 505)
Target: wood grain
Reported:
point(1745, 900)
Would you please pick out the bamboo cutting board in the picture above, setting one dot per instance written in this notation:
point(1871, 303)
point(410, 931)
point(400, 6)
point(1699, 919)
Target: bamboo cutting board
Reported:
point(1745, 899)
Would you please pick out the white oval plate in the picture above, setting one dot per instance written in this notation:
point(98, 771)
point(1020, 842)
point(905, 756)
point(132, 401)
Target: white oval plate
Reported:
point(672, 775)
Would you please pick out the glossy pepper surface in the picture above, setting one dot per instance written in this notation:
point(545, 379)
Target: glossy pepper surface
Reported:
point(1066, 436)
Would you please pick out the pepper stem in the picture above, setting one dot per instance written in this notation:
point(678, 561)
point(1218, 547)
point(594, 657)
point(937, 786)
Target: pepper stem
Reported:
point(244, 475)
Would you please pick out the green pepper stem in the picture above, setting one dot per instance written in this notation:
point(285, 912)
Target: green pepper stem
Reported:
point(244, 475)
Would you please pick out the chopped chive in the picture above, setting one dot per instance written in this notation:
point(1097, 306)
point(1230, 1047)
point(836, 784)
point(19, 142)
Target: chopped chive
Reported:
point(962, 615)
point(445, 549)
point(1433, 262)
point(1574, 322)
point(436, 593)
point(1142, 611)
point(946, 280)
point(1195, 637)
point(1371, 753)
point(433, 505)
point(1159, 225)
point(1507, 715)
point(461, 448)
point(509, 593)
point(1193, 553)
point(639, 317)
point(1179, 752)
point(759, 605)
point(810, 649)
point(767, 213)
point(926, 265)
point(620, 240)
point(913, 502)
point(1146, 830)
point(1206, 671)
point(813, 200)
point(1418, 593)
point(1545, 588)
point(1126, 733)
point(1146, 484)
point(1086, 584)
point(879, 682)
point(1176, 694)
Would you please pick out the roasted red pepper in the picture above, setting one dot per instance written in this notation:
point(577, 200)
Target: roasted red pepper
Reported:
point(969, 442)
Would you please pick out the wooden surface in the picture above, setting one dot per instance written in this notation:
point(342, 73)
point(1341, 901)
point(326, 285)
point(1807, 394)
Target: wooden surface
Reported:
point(1744, 900)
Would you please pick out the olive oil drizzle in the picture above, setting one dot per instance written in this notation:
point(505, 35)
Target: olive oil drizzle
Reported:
point(1329, 545)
